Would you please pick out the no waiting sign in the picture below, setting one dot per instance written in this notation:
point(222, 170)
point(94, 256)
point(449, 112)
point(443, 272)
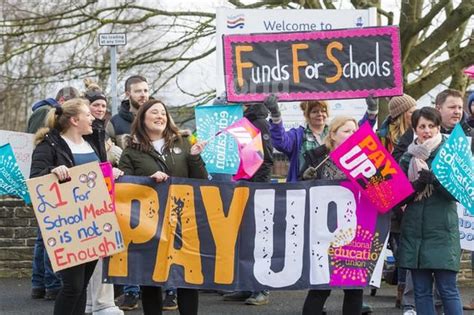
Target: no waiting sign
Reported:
point(112, 39)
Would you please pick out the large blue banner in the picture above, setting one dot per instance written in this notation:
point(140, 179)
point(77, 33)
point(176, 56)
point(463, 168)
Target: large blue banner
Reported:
point(12, 181)
point(221, 155)
point(454, 168)
point(246, 236)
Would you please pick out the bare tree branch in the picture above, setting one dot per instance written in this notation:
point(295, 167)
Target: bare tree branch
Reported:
point(441, 71)
point(441, 34)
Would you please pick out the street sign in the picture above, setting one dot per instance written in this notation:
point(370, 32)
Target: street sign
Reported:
point(113, 39)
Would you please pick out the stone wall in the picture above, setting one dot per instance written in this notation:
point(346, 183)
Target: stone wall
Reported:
point(17, 238)
point(18, 233)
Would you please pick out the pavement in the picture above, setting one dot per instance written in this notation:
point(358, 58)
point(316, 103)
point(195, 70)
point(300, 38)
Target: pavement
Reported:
point(15, 299)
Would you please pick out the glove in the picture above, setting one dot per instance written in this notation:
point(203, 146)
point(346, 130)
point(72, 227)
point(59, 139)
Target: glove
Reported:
point(113, 154)
point(309, 173)
point(427, 177)
point(418, 186)
point(372, 105)
point(271, 103)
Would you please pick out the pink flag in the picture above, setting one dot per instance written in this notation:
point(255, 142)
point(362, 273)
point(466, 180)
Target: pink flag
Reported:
point(107, 171)
point(470, 72)
point(375, 172)
point(249, 140)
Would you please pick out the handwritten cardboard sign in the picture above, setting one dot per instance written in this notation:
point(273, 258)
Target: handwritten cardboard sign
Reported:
point(352, 63)
point(368, 164)
point(77, 218)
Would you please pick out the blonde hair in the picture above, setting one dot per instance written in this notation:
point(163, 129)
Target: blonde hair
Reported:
point(397, 128)
point(91, 85)
point(334, 126)
point(59, 117)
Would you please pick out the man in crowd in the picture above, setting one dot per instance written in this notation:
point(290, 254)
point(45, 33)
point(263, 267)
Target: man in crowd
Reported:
point(257, 114)
point(137, 93)
point(450, 105)
point(41, 108)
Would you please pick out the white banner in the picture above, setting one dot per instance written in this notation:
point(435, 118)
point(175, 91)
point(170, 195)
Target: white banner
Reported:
point(466, 228)
point(245, 21)
point(22, 145)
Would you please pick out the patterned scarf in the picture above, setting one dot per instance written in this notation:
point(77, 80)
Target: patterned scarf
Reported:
point(420, 153)
point(310, 142)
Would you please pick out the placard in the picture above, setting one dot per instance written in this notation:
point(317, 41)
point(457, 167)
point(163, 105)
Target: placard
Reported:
point(352, 63)
point(22, 145)
point(367, 163)
point(466, 228)
point(221, 154)
point(453, 166)
point(77, 218)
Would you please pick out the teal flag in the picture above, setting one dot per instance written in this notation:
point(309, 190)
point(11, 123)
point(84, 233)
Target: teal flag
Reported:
point(12, 181)
point(454, 168)
point(221, 154)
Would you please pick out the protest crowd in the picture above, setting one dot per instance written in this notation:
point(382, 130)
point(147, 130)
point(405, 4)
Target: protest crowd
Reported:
point(142, 140)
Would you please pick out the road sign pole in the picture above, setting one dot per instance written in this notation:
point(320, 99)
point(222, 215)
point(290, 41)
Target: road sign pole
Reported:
point(113, 40)
point(113, 78)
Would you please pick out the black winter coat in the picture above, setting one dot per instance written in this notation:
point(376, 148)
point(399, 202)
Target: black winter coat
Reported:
point(313, 158)
point(257, 114)
point(98, 137)
point(52, 152)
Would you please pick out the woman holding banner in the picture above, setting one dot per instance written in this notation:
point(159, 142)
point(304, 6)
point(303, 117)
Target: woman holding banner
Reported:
point(400, 109)
point(157, 149)
point(317, 165)
point(61, 146)
point(295, 142)
point(429, 240)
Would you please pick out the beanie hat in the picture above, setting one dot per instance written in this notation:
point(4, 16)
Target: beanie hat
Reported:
point(469, 102)
point(400, 104)
point(93, 96)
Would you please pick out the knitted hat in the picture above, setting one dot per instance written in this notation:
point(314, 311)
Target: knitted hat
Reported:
point(93, 96)
point(400, 104)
